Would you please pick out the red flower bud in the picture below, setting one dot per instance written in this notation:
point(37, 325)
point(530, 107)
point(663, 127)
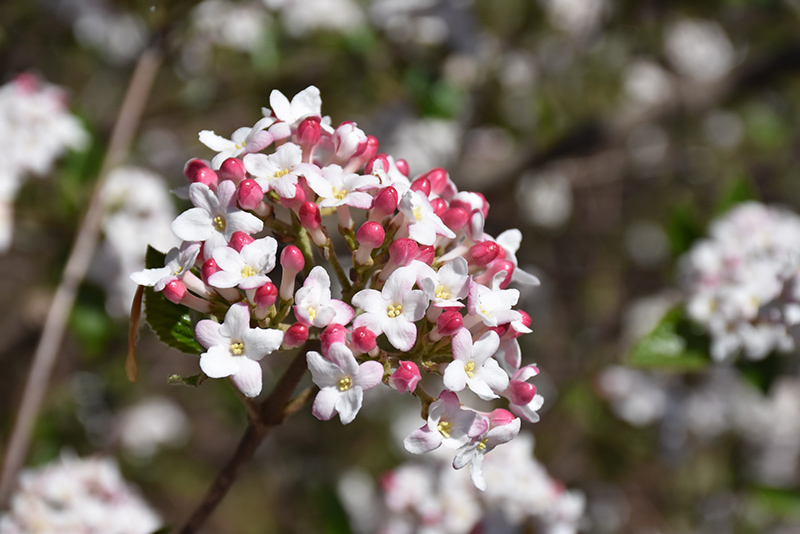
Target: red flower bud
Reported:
point(175, 291)
point(308, 131)
point(266, 295)
point(209, 267)
point(370, 149)
point(309, 215)
point(403, 251)
point(386, 201)
point(495, 267)
point(240, 239)
point(455, 218)
point(402, 166)
point(292, 259)
point(421, 185)
point(405, 377)
point(371, 234)
point(333, 333)
point(449, 323)
point(439, 206)
point(206, 176)
point(427, 254)
point(384, 163)
point(295, 335)
point(249, 194)
point(501, 417)
point(521, 393)
point(300, 196)
point(483, 253)
point(232, 169)
point(438, 179)
point(191, 168)
point(364, 339)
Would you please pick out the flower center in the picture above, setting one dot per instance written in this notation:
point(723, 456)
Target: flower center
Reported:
point(485, 312)
point(442, 293)
point(237, 348)
point(444, 428)
point(178, 271)
point(482, 445)
point(248, 271)
point(219, 223)
point(339, 194)
point(469, 368)
point(280, 173)
point(345, 383)
point(312, 312)
point(417, 213)
point(394, 311)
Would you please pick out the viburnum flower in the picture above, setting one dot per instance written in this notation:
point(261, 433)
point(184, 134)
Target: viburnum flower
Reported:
point(234, 348)
point(424, 225)
point(306, 103)
point(314, 305)
point(448, 424)
point(342, 382)
point(473, 365)
point(511, 240)
point(446, 286)
point(503, 427)
point(215, 217)
point(493, 305)
point(248, 268)
point(276, 171)
point(522, 396)
point(243, 141)
point(394, 309)
point(338, 188)
point(176, 264)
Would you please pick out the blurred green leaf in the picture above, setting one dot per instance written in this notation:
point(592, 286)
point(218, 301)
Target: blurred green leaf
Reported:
point(194, 380)
point(783, 503)
point(676, 343)
point(741, 189)
point(683, 228)
point(171, 323)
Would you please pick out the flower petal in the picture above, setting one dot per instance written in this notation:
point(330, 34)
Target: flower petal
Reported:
point(248, 378)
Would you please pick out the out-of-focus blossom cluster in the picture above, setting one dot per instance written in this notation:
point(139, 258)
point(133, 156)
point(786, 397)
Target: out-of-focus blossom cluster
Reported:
point(138, 211)
point(36, 128)
point(719, 403)
point(742, 282)
point(425, 288)
point(151, 424)
point(431, 498)
point(81, 496)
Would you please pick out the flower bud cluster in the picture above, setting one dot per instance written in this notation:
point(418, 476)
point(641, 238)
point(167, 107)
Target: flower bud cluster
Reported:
point(743, 282)
point(425, 288)
point(77, 495)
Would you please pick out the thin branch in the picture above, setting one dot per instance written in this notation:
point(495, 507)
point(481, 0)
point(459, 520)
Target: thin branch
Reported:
point(77, 265)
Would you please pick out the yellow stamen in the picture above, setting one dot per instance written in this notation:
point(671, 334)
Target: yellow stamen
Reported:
point(394, 311)
point(248, 271)
point(469, 367)
point(312, 312)
point(444, 428)
point(237, 348)
point(219, 223)
point(280, 173)
point(339, 194)
point(178, 271)
point(345, 383)
point(442, 293)
point(482, 445)
point(417, 213)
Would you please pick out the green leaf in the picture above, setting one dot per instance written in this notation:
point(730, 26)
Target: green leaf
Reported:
point(676, 343)
point(780, 502)
point(194, 380)
point(171, 323)
point(741, 189)
point(683, 228)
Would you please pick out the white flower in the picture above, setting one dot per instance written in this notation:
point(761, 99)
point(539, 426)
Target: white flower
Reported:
point(448, 425)
point(446, 286)
point(306, 103)
point(394, 309)
point(243, 141)
point(493, 305)
point(342, 382)
point(248, 268)
point(215, 217)
point(276, 171)
point(424, 225)
point(510, 240)
point(474, 452)
point(314, 305)
point(337, 188)
point(176, 264)
point(234, 348)
point(473, 365)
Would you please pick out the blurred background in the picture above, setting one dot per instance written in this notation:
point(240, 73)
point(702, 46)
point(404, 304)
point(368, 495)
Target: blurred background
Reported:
point(610, 133)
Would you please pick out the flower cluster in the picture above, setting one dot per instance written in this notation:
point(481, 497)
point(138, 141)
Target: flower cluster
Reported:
point(80, 496)
point(35, 128)
point(420, 499)
point(427, 290)
point(742, 282)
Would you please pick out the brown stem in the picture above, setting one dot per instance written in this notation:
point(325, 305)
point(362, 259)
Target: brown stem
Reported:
point(77, 265)
point(272, 413)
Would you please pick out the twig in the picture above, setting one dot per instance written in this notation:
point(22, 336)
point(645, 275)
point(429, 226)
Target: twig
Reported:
point(75, 270)
point(273, 411)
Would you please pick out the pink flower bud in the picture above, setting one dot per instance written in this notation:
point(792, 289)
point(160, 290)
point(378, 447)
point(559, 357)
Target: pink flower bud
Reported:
point(485, 204)
point(300, 196)
point(500, 330)
point(386, 201)
point(427, 254)
point(206, 176)
point(483, 253)
point(405, 377)
point(371, 148)
point(295, 335)
point(333, 333)
point(455, 218)
point(403, 251)
point(249, 194)
point(292, 259)
point(240, 239)
point(232, 169)
point(381, 160)
point(209, 267)
point(495, 267)
point(438, 179)
point(439, 206)
point(309, 216)
point(449, 323)
point(371, 234)
point(421, 185)
point(266, 295)
point(526, 320)
point(402, 166)
point(308, 131)
point(364, 339)
point(191, 168)
point(175, 291)
point(500, 417)
point(520, 393)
